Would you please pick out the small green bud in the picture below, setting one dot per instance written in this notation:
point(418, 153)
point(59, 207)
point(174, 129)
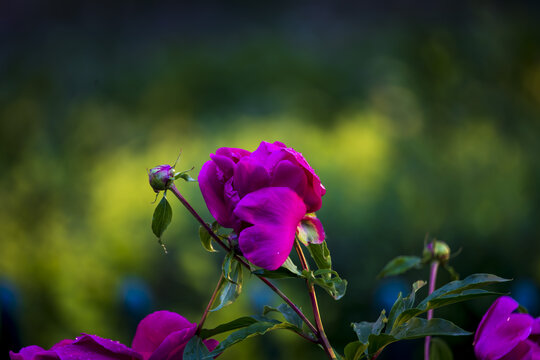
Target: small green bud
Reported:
point(160, 177)
point(437, 250)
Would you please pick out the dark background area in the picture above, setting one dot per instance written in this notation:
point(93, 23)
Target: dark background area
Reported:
point(419, 117)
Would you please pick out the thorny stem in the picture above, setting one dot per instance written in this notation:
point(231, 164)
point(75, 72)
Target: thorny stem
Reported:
point(295, 308)
point(212, 299)
point(314, 305)
point(432, 279)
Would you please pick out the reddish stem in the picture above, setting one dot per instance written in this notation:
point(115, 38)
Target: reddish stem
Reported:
point(212, 299)
point(295, 308)
point(315, 306)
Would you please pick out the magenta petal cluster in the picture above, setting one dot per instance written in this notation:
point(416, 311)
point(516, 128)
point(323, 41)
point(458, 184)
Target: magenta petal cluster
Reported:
point(163, 335)
point(84, 347)
point(263, 196)
point(503, 334)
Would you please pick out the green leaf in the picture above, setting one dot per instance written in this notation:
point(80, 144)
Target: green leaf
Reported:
point(409, 300)
point(231, 287)
point(470, 282)
point(239, 323)
point(262, 326)
point(321, 255)
point(162, 217)
point(291, 266)
point(229, 267)
point(418, 327)
point(453, 273)
point(206, 239)
point(400, 265)
point(454, 298)
point(403, 304)
point(364, 329)
point(414, 329)
point(288, 314)
point(354, 350)
point(280, 273)
point(195, 349)
point(451, 293)
point(378, 342)
point(287, 270)
point(185, 176)
point(439, 350)
point(215, 227)
point(328, 280)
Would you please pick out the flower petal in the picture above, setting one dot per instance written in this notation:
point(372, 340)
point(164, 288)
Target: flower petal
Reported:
point(96, 348)
point(249, 175)
point(287, 174)
point(497, 313)
point(535, 349)
point(500, 330)
point(28, 353)
point(173, 345)
point(310, 230)
point(235, 154)
point(225, 164)
point(271, 154)
point(155, 328)
point(274, 212)
point(522, 351)
point(211, 183)
point(536, 326)
point(211, 344)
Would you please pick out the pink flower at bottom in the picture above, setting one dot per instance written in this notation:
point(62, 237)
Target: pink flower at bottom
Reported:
point(163, 335)
point(84, 347)
point(503, 334)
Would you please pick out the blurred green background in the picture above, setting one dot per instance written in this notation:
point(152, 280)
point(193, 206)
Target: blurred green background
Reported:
point(419, 118)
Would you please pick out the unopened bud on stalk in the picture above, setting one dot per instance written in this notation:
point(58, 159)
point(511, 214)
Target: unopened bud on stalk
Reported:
point(437, 250)
point(161, 177)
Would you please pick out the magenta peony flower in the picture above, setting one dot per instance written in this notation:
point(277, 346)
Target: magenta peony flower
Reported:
point(503, 334)
point(85, 347)
point(163, 335)
point(263, 196)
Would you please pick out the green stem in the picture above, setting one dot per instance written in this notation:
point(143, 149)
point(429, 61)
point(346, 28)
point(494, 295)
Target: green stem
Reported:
point(209, 306)
point(295, 308)
point(314, 305)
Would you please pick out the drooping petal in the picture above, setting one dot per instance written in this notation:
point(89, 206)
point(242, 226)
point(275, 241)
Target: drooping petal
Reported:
point(155, 328)
point(272, 154)
point(287, 174)
point(96, 348)
point(501, 308)
point(225, 164)
point(310, 230)
point(522, 351)
point(536, 326)
point(62, 343)
point(274, 213)
point(212, 189)
point(500, 330)
point(173, 345)
point(235, 154)
point(28, 353)
point(250, 175)
point(535, 349)
point(211, 344)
